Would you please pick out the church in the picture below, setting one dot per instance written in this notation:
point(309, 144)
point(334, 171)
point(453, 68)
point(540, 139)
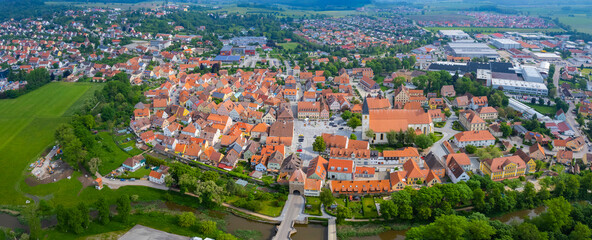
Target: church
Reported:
point(382, 120)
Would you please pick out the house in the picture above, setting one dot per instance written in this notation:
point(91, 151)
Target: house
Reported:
point(487, 113)
point(476, 138)
point(530, 164)
point(537, 152)
point(433, 163)
point(369, 85)
point(312, 187)
point(503, 168)
point(559, 144)
point(384, 121)
point(360, 187)
point(365, 172)
point(447, 91)
point(134, 163)
point(560, 115)
point(455, 172)
point(461, 159)
point(536, 137)
point(478, 102)
point(412, 176)
point(156, 177)
point(404, 95)
point(564, 157)
point(317, 168)
point(575, 144)
point(461, 102)
point(339, 169)
point(471, 121)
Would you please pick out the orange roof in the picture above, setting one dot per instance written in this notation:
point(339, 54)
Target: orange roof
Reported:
point(366, 186)
point(341, 165)
point(405, 152)
point(470, 136)
point(397, 119)
point(155, 174)
point(460, 158)
point(313, 184)
point(365, 170)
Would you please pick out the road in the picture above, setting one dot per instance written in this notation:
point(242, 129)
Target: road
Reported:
point(294, 206)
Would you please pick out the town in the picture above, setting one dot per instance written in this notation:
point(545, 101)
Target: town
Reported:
point(299, 120)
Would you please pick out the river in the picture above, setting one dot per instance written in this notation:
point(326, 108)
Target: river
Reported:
point(304, 232)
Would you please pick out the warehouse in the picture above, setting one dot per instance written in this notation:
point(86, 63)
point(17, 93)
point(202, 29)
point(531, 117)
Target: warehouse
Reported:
point(531, 74)
point(454, 34)
point(504, 43)
point(472, 50)
point(520, 87)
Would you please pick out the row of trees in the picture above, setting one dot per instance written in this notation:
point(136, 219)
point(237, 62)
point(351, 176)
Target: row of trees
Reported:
point(561, 221)
point(77, 219)
point(485, 195)
point(35, 79)
point(406, 138)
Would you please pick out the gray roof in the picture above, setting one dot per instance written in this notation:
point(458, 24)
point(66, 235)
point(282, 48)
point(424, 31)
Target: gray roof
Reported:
point(433, 161)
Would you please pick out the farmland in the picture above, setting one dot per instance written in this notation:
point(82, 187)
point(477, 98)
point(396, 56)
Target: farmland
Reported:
point(27, 126)
point(495, 30)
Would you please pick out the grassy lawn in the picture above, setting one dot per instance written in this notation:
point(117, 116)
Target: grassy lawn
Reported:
point(381, 147)
point(438, 136)
point(580, 22)
point(439, 124)
point(315, 202)
point(140, 173)
point(27, 126)
point(112, 156)
point(369, 207)
point(542, 109)
point(270, 207)
point(289, 45)
point(357, 209)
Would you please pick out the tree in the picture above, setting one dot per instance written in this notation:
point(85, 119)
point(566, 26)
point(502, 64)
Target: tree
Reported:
point(103, 210)
point(84, 215)
point(342, 213)
point(354, 122)
point(327, 197)
point(528, 195)
point(580, 232)
point(388, 210)
point(479, 229)
point(34, 221)
point(346, 115)
point(410, 136)
point(479, 200)
point(353, 137)
point(557, 215)
point(186, 219)
point(208, 227)
point(209, 193)
point(506, 129)
point(124, 208)
point(62, 217)
point(423, 141)
point(210, 176)
point(402, 200)
point(370, 133)
point(94, 164)
point(528, 231)
point(75, 219)
point(470, 149)
point(447, 227)
point(319, 144)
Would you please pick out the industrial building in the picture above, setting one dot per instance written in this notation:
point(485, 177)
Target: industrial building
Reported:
point(530, 74)
point(468, 67)
point(520, 87)
point(454, 34)
point(472, 50)
point(504, 43)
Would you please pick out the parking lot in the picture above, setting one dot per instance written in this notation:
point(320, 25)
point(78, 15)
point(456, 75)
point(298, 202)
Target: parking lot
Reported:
point(311, 129)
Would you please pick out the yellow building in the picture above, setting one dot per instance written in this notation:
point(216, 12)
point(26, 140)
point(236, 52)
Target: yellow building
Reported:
point(503, 168)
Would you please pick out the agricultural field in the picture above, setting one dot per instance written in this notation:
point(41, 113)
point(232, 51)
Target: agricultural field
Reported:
point(580, 22)
point(125, 6)
point(495, 30)
point(27, 126)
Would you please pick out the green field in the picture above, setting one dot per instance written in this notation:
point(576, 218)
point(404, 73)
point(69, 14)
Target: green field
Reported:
point(111, 155)
point(542, 109)
point(27, 126)
point(494, 30)
point(289, 46)
point(580, 22)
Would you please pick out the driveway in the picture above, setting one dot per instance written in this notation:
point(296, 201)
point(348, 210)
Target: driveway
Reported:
point(447, 133)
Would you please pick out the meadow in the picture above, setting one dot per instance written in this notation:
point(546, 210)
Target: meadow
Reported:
point(27, 126)
point(495, 30)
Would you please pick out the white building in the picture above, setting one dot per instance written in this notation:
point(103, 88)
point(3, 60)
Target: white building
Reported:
point(504, 43)
point(520, 87)
point(480, 138)
point(454, 34)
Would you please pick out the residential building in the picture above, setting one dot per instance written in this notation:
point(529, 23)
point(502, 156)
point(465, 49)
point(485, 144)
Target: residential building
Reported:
point(476, 138)
point(471, 121)
point(339, 169)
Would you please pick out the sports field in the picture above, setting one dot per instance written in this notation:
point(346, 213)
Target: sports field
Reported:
point(27, 126)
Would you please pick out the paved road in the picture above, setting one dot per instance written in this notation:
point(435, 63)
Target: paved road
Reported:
point(115, 184)
point(294, 206)
point(447, 133)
